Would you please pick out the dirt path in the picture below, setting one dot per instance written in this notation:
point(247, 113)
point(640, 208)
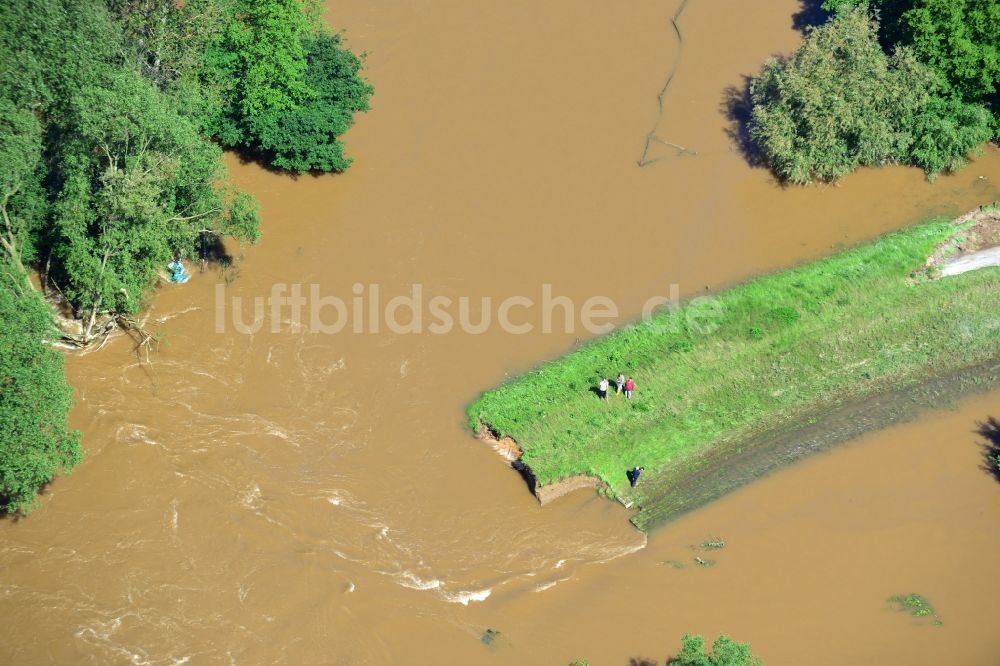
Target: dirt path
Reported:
point(971, 262)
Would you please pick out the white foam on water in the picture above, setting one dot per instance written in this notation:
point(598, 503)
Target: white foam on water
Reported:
point(251, 497)
point(465, 597)
point(414, 582)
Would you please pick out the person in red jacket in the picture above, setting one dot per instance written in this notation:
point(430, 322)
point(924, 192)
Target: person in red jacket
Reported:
point(629, 387)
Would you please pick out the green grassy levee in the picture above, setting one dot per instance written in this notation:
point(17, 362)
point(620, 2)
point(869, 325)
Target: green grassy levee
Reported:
point(786, 346)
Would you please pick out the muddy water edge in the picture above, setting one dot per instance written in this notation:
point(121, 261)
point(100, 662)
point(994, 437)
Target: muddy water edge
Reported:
point(288, 497)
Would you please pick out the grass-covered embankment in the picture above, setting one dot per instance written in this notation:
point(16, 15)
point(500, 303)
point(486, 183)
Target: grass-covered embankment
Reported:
point(787, 347)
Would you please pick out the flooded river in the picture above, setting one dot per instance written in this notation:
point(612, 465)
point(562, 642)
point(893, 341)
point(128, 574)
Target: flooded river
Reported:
point(298, 497)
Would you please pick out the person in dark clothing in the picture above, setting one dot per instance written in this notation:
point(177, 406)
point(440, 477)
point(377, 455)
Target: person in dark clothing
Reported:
point(633, 475)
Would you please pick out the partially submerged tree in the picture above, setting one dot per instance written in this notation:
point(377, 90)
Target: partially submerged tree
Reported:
point(146, 193)
point(35, 398)
point(287, 89)
point(839, 102)
point(725, 652)
point(958, 39)
point(306, 138)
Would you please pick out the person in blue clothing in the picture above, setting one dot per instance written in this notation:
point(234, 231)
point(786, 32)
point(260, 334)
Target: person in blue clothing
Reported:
point(177, 273)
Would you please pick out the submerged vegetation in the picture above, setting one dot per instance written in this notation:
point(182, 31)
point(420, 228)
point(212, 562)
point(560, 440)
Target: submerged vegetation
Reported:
point(725, 652)
point(925, 95)
point(108, 170)
point(780, 348)
point(916, 605)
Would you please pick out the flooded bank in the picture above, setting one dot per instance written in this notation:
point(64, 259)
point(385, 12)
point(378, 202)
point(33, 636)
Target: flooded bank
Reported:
point(294, 497)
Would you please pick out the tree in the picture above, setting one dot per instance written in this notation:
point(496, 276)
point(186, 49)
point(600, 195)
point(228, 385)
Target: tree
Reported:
point(725, 652)
point(839, 102)
point(958, 39)
point(287, 89)
point(22, 205)
point(836, 103)
point(36, 442)
point(169, 39)
point(305, 138)
point(259, 62)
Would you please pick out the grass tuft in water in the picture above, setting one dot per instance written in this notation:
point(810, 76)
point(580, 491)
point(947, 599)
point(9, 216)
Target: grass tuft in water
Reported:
point(713, 543)
point(916, 605)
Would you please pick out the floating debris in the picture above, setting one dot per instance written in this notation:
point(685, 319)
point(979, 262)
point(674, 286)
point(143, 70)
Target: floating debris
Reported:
point(704, 563)
point(673, 564)
point(489, 636)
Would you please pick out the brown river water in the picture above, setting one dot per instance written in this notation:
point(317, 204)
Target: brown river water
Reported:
point(298, 497)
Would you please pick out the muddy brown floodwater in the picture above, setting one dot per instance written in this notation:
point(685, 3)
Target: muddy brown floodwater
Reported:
point(296, 497)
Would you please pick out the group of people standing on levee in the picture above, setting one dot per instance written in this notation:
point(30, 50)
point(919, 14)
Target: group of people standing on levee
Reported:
point(621, 384)
point(627, 386)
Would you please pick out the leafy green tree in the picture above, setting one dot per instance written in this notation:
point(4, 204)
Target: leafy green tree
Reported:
point(945, 131)
point(36, 442)
point(104, 177)
point(958, 39)
point(22, 204)
point(839, 102)
point(305, 138)
point(287, 89)
point(725, 652)
point(260, 62)
point(836, 103)
point(169, 39)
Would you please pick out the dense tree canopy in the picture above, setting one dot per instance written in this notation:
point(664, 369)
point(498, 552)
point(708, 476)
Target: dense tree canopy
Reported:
point(114, 179)
point(288, 90)
point(840, 102)
point(34, 399)
point(958, 39)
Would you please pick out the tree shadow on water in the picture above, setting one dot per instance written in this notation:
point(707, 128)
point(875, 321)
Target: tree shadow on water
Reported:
point(810, 15)
point(989, 430)
point(736, 104)
point(642, 661)
point(736, 107)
